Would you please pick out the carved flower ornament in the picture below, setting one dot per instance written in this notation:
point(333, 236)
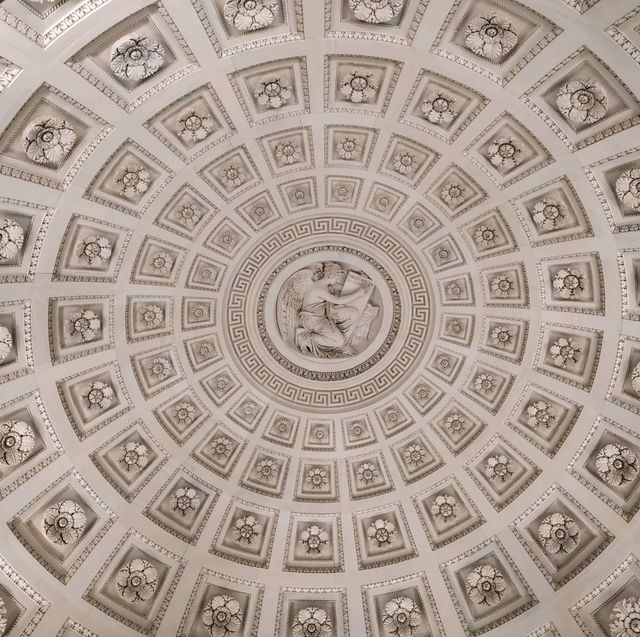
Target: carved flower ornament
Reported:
point(401, 616)
point(548, 213)
point(628, 188)
point(49, 140)
point(17, 441)
point(99, 395)
point(582, 101)
point(195, 126)
point(136, 57)
point(151, 315)
point(11, 239)
point(617, 464)
point(569, 283)
point(185, 499)
point(314, 538)
point(348, 148)
point(491, 36)
point(317, 478)
point(64, 522)
point(273, 93)
point(246, 528)
point(184, 412)
point(85, 324)
point(137, 580)
point(312, 622)
point(504, 152)
point(452, 194)
point(222, 616)
point(415, 454)
point(444, 506)
point(559, 533)
point(564, 352)
point(439, 109)
point(133, 180)
point(376, 11)
point(6, 343)
point(381, 531)
point(134, 455)
point(498, 468)
point(367, 472)
point(624, 620)
point(485, 585)
point(250, 15)
point(540, 414)
point(358, 86)
point(94, 249)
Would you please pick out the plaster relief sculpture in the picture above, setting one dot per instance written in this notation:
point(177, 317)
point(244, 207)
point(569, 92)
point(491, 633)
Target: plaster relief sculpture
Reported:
point(273, 93)
point(324, 311)
point(582, 101)
point(11, 239)
point(559, 533)
point(312, 622)
point(628, 188)
point(491, 36)
point(84, 324)
point(137, 580)
point(485, 585)
point(17, 440)
point(136, 57)
point(617, 464)
point(624, 620)
point(358, 86)
point(401, 617)
point(64, 522)
point(222, 616)
point(439, 109)
point(6, 343)
point(376, 11)
point(250, 15)
point(49, 140)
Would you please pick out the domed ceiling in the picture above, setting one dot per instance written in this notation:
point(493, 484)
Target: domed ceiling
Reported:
point(320, 319)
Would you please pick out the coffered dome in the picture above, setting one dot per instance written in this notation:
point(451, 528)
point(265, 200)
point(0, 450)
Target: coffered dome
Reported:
point(319, 319)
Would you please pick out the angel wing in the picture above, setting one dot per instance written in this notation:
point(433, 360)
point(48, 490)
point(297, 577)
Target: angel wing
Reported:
point(289, 303)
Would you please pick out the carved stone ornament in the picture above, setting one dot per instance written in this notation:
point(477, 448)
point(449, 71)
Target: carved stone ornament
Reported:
point(222, 616)
point(376, 11)
point(11, 239)
point(624, 620)
point(326, 311)
point(312, 622)
point(491, 36)
point(6, 343)
point(49, 140)
point(358, 86)
point(136, 57)
point(64, 522)
point(17, 440)
point(559, 533)
point(401, 616)
point(273, 92)
point(485, 585)
point(137, 580)
point(250, 15)
point(617, 464)
point(582, 101)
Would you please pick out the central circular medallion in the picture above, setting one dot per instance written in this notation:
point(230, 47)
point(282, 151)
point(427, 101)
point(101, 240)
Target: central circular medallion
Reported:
point(329, 313)
point(324, 310)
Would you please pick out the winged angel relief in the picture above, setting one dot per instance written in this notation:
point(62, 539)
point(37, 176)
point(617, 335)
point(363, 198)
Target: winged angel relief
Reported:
point(325, 311)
